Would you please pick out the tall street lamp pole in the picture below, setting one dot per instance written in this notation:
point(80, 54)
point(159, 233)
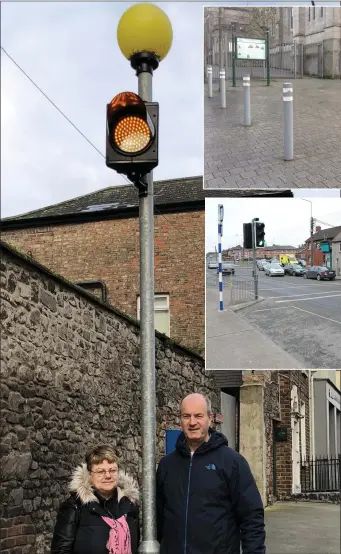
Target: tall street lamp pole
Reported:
point(311, 230)
point(145, 36)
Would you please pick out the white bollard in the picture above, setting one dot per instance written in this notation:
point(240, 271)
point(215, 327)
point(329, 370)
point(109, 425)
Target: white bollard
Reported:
point(288, 121)
point(210, 80)
point(247, 101)
point(222, 88)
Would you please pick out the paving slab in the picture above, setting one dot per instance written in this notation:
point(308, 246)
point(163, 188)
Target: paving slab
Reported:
point(233, 343)
point(239, 157)
point(302, 528)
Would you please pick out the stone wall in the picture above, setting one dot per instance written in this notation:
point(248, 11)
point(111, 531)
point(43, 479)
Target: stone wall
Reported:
point(109, 251)
point(70, 379)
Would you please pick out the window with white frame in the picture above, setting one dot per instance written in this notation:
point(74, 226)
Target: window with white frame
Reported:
point(303, 433)
point(161, 313)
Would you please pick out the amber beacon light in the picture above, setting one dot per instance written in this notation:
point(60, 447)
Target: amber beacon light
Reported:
point(132, 133)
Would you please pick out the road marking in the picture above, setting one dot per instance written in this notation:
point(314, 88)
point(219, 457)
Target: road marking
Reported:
point(317, 315)
point(268, 309)
point(302, 294)
point(304, 299)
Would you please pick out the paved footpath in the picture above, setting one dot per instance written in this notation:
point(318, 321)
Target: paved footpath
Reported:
point(302, 528)
point(239, 157)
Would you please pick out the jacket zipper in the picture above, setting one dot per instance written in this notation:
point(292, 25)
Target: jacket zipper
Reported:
point(187, 499)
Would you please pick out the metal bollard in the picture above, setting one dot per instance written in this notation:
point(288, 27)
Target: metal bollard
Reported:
point(222, 88)
point(210, 80)
point(288, 121)
point(247, 102)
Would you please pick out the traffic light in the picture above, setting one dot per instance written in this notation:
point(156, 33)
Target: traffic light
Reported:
point(247, 233)
point(260, 234)
point(132, 135)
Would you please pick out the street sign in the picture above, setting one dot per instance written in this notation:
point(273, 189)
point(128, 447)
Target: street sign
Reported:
point(325, 247)
point(251, 49)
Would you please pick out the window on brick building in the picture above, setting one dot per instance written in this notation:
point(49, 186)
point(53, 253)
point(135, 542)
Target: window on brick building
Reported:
point(161, 313)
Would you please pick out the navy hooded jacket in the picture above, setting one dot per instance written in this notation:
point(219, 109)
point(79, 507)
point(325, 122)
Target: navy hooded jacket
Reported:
point(208, 503)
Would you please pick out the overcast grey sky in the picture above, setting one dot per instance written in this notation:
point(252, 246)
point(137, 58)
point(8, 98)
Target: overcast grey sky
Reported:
point(287, 220)
point(70, 50)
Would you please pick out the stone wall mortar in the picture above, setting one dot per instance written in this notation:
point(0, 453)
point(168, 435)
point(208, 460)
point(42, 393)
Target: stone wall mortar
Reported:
point(70, 379)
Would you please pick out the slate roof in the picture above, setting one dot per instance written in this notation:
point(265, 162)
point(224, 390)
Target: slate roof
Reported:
point(337, 238)
point(115, 201)
point(326, 234)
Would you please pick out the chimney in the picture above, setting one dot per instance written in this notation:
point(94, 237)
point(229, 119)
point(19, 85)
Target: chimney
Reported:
point(318, 229)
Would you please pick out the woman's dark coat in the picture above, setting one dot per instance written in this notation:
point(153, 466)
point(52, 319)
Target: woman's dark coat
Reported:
point(80, 528)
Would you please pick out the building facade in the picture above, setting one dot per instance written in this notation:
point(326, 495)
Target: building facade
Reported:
point(322, 247)
point(327, 418)
point(267, 419)
point(95, 238)
point(336, 254)
point(267, 252)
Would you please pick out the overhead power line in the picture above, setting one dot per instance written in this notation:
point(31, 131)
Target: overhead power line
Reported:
point(89, 141)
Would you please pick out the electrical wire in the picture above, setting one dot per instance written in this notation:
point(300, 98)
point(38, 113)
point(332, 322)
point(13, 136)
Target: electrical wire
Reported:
point(91, 144)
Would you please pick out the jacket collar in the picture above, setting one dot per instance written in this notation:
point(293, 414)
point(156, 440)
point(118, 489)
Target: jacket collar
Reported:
point(81, 485)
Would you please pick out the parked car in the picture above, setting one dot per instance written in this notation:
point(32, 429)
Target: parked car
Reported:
point(212, 265)
point(274, 269)
point(302, 262)
point(320, 272)
point(227, 269)
point(294, 269)
point(260, 264)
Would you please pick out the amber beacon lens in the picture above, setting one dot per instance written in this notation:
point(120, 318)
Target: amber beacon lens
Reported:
point(132, 134)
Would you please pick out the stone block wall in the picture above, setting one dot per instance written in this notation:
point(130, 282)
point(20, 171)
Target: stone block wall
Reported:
point(70, 379)
point(109, 251)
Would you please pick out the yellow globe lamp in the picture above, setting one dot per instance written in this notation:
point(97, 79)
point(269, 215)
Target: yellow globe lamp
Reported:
point(144, 29)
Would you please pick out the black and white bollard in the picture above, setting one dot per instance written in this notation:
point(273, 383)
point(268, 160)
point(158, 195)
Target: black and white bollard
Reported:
point(222, 88)
point(288, 121)
point(210, 80)
point(247, 101)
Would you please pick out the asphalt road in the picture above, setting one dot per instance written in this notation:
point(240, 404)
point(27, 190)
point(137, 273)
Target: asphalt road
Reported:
point(302, 316)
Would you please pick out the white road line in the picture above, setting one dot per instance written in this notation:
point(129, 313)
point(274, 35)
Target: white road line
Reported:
point(317, 315)
point(302, 294)
point(304, 299)
point(269, 309)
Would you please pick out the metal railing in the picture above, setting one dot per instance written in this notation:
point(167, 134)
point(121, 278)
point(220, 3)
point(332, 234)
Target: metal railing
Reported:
point(321, 475)
point(286, 61)
point(234, 291)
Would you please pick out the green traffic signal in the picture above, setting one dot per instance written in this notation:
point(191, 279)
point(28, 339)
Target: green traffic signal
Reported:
point(260, 235)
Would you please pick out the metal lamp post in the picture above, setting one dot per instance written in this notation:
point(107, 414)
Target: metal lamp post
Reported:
point(311, 230)
point(144, 35)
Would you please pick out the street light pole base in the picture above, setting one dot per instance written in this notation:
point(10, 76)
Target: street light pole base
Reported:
point(149, 547)
point(144, 62)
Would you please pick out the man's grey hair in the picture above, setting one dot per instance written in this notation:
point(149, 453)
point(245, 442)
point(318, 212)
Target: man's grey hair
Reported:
point(207, 400)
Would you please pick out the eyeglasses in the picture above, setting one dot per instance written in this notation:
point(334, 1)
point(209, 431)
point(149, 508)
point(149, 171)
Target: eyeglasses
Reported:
point(102, 472)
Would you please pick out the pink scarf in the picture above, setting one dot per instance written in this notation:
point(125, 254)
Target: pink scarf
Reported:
point(119, 537)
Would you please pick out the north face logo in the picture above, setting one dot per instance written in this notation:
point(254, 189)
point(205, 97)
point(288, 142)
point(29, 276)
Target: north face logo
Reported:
point(211, 466)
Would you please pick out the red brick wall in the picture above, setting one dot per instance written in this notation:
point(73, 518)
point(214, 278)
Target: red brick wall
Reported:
point(109, 251)
point(284, 449)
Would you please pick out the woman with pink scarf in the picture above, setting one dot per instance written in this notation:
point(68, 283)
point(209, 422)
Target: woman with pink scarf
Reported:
point(101, 515)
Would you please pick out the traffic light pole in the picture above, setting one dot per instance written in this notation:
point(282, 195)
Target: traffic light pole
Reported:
point(149, 543)
point(255, 276)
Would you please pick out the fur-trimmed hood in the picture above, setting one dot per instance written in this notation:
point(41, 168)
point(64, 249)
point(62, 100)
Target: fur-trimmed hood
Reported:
point(81, 485)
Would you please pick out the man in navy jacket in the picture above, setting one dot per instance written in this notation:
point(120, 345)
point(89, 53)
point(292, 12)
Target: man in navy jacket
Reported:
point(207, 499)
